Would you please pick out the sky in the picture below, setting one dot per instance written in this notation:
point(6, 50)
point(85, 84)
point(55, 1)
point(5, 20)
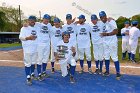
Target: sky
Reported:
point(113, 8)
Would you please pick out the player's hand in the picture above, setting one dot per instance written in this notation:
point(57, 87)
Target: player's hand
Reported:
point(73, 49)
point(126, 33)
point(31, 37)
point(109, 19)
point(73, 20)
point(103, 34)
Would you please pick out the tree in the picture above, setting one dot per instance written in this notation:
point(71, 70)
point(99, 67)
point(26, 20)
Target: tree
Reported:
point(2, 20)
point(136, 17)
point(12, 15)
point(120, 23)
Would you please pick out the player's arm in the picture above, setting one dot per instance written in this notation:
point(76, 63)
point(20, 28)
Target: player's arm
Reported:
point(73, 51)
point(115, 30)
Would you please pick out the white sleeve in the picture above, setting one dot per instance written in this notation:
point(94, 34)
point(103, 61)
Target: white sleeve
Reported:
point(22, 35)
point(122, 31)
point(113, 24)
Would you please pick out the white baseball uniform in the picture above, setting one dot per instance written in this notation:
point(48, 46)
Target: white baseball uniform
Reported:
point(97, 41)
point(56, 36)
point(83, 41)
point(43, 47)
point(71, 28)
point(125, 40)
point(110, 43)
point(29, 46)
point(134, 34)
point(65, 54)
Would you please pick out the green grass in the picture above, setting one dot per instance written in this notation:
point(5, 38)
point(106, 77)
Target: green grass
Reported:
point(119, 52)
point(5, 45)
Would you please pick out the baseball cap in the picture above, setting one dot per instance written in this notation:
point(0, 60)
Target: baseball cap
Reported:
point(68, 16)
point(93, 17)
point(102, 13)
point(126, 22)
point(56, 20)
point(46, 16)
point(65, 33)
point(81, 17)
point(32, 17)
point(135, 22)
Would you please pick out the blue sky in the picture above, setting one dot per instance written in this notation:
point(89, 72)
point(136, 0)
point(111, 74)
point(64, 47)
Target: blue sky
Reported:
point(113, 8)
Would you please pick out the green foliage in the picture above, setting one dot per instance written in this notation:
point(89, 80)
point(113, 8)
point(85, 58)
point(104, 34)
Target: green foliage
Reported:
point(120, 23)
point(12, 22)
point(2, 20)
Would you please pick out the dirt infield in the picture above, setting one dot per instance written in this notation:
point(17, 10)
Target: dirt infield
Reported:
point(15, 57)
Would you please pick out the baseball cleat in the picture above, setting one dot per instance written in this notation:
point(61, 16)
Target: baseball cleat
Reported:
point(81, 71)
point(100, 72)
point(29, 81)
point(96, 71)
point(89, 71)
point(33, 77)
point(72, 79)
point(45, 75)
point(40, 78)
point(52, 71)
point(118, 75)
point(106, 74)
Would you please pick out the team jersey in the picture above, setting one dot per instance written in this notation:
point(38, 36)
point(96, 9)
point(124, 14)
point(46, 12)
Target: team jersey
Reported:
point(95, 33)
point(28, 45)
point(109, 27)
point(64, 50)
point(44, 34)
point(134, 33)
point(72, 30)
point(126, 37)
point(83, 35)
point(56, 35)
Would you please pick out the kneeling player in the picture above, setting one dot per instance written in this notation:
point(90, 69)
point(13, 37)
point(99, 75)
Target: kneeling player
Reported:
point(64, 54)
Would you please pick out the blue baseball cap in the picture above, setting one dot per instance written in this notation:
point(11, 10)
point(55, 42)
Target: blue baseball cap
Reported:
point(68, 16)
point(93, 17)
point(32, 18)
point(81, 17)
point(102, 13)
point(126, 22)
point(46, 16)
point(65, 33)
point(56, 20)
point(135, 22)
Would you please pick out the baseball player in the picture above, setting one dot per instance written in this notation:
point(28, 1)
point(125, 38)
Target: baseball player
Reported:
point(56, 36)
point(65, 53)
point(44, 44)
point(28, 36)
point(134, 34)
point(83, 41)
point(71, 28)
point(97, 42)
point(110, 43)
point(125, 40)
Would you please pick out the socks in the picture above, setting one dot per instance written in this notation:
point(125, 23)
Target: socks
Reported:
point(89, 64)
point(39, 69)
point(44, 65)
point(101, 65)
point(132, 56)
point(117, 66)
point(52, 64)
point(72, 70)
point(32, 68)
point(129, 55)
point(97, 64)
point(81, 63)
point(27, 71)
point(107, 63)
